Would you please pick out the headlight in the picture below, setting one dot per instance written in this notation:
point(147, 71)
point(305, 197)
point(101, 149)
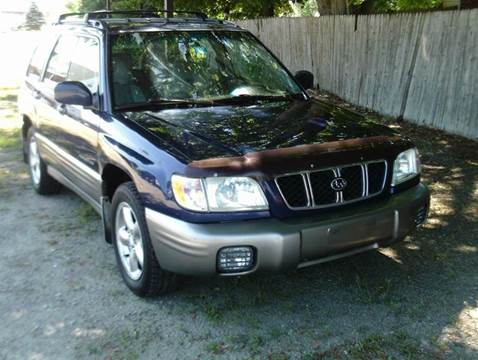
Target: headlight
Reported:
point(219, 194)
point(406, 166)
point(234, 194)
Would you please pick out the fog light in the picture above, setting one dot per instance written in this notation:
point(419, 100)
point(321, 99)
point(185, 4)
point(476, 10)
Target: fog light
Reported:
point(235, 259)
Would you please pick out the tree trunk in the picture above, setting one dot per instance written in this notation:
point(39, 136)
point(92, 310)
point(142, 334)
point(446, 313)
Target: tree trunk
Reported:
point(366, 7)
point(226, 9)
point(227, 12)
point(169, 6)
point(268, 9)
point(332, 7)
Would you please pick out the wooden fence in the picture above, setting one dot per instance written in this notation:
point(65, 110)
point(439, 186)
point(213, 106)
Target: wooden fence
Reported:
point(422, 66)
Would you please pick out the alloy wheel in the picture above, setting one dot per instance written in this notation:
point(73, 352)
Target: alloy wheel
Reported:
point(129, 241)
point(34, 161)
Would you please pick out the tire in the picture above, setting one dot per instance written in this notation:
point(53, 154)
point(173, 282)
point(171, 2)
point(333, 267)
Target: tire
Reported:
point(132, 243)
point(42, 182)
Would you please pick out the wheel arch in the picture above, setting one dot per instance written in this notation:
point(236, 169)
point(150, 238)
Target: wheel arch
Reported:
point(112, 177)
point(27, 123)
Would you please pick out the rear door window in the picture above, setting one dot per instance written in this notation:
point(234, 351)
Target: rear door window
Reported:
point(39, 57)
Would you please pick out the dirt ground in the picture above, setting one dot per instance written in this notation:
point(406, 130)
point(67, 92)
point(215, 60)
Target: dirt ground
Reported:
point(61, 296)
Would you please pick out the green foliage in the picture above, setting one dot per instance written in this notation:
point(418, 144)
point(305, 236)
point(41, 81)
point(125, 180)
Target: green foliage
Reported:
point(247, 9)
point(378, 6)
point(410, 5)
point(34, 19)
point(223, 9)
point(307, 8)
point(86, 5)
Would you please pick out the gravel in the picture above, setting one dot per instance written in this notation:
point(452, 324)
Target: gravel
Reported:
point(62, 297)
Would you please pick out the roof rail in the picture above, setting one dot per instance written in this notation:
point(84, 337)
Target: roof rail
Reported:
point(105, 14)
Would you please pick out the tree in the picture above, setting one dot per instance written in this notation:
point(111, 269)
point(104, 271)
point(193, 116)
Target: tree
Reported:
point(247, 9)
point(307, 8)
point(34, 18)
point(380, 6)
point(86, 5)
point(336, 7)
point(223, 9)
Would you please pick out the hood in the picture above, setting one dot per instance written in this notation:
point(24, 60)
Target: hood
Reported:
point(223, 131)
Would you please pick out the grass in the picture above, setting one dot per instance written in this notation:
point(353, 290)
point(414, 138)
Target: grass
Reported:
point(125, 344)
point(399, 345)
point(278, 356)
point(86, 214)
point(11, 181)
point(213, 313)
point(10, 139)
point(381, 346)
point(275, 333)
point(255, 344)
point(252, 343)
point(371, 293)
point(63, 227)
point(87, 218)
point(216, 348)
point(8, 94)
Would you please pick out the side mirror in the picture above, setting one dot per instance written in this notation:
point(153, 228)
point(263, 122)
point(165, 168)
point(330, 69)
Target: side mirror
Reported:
point(305, 79)
point(73, 93)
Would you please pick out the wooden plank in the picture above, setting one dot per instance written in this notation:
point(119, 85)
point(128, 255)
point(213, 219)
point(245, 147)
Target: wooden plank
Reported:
point(424, 65)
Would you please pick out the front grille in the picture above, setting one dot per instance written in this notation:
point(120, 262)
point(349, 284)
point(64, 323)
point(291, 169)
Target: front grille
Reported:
point(320, 185)
point(355, 177)
point(333, 186)
point(296, 189)
point(375, 176)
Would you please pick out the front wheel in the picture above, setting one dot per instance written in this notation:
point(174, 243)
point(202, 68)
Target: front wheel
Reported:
point(134, 252)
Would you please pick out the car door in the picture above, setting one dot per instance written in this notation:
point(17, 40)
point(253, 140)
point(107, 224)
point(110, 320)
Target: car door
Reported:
point(49, 127)
point(71, 130)
point(29, 95)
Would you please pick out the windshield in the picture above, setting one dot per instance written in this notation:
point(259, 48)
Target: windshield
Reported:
point(194, 66)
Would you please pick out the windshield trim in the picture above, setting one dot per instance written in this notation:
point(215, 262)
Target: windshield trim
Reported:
point(149, 29)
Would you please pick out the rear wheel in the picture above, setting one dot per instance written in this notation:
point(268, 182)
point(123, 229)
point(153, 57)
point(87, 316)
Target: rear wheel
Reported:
point(42, 182)
point(134, 252)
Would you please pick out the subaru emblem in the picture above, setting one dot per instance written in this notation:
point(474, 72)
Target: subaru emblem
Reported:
point(338, 184)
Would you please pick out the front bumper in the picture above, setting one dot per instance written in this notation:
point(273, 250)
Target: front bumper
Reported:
point(191, 249)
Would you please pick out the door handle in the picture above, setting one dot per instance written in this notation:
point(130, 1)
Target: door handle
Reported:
point(61, 109)
point(36, 94)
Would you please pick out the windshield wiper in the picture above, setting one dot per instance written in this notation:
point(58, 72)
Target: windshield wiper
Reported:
point(166, 103)
point(245, 99)
point(175, 103)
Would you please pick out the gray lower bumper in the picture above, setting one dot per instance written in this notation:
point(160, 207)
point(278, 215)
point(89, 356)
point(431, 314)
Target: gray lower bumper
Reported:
point(191, 249)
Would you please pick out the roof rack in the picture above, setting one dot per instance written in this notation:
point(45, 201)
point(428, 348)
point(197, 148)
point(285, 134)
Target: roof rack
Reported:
point(106, 14)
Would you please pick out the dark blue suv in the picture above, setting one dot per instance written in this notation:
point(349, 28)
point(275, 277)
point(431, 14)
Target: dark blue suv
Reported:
point(203, 154)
